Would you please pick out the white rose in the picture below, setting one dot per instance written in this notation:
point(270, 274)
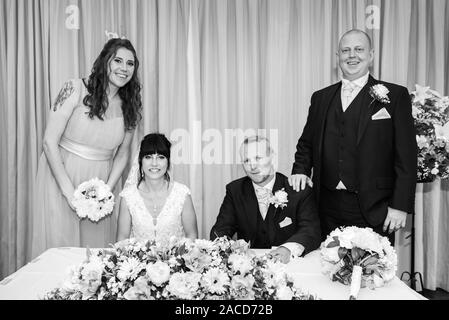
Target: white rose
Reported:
point(158, 272)
point(282, 196)
point(240, 263)
point(381, 90)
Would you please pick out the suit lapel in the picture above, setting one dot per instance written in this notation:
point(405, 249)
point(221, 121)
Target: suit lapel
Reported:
point(327, 100)
point(366, 108)
point(278, 185)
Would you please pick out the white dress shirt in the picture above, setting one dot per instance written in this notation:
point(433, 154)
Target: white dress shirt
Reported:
point(350, 90)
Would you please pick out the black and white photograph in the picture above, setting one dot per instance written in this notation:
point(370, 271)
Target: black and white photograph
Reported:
point(232, 150)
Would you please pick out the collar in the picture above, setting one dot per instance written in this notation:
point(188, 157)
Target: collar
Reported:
point(360, 82)
point(268, 186)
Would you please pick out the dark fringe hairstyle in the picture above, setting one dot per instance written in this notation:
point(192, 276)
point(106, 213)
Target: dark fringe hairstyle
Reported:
point(154, 143)
point(96, 99)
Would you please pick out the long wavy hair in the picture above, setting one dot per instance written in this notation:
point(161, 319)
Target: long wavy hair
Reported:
point(154, 143)
point(98, 82)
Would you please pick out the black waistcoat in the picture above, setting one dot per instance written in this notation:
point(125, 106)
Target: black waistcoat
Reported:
point(265, 231)
point(340, 144)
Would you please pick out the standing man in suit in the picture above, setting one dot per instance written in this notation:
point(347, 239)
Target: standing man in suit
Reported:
point(359, 139)
point(263, 209)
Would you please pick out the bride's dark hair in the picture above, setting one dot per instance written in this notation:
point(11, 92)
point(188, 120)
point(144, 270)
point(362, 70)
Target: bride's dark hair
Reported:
point(151, 144)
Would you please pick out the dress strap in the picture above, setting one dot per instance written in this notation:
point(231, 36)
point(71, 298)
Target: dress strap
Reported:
point(85, 151)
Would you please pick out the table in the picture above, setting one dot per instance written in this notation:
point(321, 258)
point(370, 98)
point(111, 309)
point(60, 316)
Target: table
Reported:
point(50, 269)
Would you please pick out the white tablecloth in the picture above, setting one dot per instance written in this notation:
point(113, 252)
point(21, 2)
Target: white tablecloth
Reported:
point(49, 269)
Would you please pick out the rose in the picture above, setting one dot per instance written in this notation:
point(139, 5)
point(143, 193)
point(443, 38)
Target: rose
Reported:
point(196, 260)
point(184, 285)
point(380, 92)
point(240, 263)
point(158, 272)
point(242, 287)
point(279, 199)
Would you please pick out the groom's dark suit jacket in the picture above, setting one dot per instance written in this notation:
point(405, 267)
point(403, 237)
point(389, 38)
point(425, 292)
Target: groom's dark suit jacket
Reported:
point(239, 213)
point(386, 150)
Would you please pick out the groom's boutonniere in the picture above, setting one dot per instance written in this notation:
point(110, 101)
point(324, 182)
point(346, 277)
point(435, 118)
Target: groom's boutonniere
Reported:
point(380, 93)
point(279, 199)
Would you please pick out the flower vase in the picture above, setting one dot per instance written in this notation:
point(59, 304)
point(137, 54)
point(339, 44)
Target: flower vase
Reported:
point(356, 281)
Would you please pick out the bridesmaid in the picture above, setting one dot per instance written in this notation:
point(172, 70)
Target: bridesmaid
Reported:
point(88, 134)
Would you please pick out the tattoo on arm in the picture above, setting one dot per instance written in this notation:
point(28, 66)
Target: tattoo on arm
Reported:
point(65, 92)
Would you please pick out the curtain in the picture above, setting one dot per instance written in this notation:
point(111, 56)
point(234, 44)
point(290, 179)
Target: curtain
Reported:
point(212, 72)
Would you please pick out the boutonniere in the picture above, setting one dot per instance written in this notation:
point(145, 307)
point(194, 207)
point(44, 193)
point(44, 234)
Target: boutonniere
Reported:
point(279, 199)
point(380, 93)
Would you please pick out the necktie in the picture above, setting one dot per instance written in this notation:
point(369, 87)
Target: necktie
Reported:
point(263, 197)
point(348, 89)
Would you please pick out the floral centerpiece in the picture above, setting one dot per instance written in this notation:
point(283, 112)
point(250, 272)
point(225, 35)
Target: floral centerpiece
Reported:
point(431, 115)
point(359, 257)
point(180, 269)
point(93, 199)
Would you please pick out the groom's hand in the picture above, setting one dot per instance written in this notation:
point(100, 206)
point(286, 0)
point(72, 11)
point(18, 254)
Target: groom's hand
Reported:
point(280, 253)
point(395, 220)
point(299, 181)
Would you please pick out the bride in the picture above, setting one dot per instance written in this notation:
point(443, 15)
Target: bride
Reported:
point(153, 207)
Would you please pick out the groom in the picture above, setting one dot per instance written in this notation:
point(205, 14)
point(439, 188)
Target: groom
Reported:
point(263, 209)
point(359, 139)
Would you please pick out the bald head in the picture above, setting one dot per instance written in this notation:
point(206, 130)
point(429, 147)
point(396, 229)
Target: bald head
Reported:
point(357, 31)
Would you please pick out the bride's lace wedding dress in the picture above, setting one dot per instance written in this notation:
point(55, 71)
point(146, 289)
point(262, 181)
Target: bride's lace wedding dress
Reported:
point(169, 220)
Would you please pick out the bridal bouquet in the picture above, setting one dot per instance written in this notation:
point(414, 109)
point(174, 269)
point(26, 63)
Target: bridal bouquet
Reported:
point(180, 269)
point(93, 199)
point(359, 257)
point(431, 115)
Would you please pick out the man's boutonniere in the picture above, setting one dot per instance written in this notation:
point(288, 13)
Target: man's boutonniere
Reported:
point(279, 199)
point(380, 93)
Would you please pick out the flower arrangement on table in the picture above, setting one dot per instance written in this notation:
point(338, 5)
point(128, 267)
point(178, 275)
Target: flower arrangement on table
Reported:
point(431, 116)
point(180, 269)
point(93, 199)
point(358, 257)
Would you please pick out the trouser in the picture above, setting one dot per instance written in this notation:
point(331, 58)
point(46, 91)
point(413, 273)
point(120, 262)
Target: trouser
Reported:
point(342, 208)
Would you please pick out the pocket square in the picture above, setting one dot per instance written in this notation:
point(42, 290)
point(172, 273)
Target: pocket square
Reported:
point(381, 114)
point(286, 222)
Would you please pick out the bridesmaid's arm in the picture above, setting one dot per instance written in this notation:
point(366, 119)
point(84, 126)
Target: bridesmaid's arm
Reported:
point(59, 116)
point(124, 222)
point(120, 160)
point(189, 219)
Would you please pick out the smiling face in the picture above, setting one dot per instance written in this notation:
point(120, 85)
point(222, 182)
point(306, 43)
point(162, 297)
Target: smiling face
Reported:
point(154, 166)
point(355, 55)
point(257, 161)
point(121, 68)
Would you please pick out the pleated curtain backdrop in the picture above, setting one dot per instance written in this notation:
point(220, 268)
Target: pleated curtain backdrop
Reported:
point(210, 70)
